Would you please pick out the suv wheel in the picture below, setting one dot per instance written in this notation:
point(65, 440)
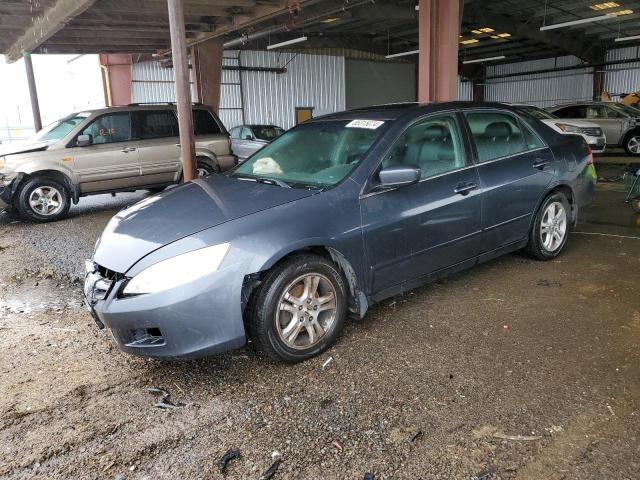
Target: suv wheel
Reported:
point(299, 309)
point(550, 228)
point(206, 167)
point(43, 199)
point(632, 143)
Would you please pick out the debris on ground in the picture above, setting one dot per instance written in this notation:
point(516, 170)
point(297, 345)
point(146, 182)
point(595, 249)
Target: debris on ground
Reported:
point(165, 402)
point(277, 459)
point(337, 446)
point(484, 474)
point(231, 454)
point(417, 436)
point(368, 476)
point(517, 438)
point(329, 360)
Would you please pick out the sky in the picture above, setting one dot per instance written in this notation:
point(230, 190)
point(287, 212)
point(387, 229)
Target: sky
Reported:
point(65, 84)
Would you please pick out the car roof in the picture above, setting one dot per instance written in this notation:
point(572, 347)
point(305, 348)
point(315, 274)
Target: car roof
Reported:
point(393, 111)
point(138, 107)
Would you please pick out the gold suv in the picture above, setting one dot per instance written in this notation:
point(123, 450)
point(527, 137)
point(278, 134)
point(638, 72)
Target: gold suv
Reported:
point(108, 150)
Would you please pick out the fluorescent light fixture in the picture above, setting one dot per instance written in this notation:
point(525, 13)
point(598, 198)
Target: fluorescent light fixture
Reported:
point(477, 32)
point(469, 41)
point(599, 18)
point(604, 5)
point(329, 20)
point(504, 35)
point(487, 30)
point(288, 42)
point(480, 60)
point(403, 54)
point(626, 39)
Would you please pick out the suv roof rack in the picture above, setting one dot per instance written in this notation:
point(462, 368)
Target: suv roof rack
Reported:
point(137, 104)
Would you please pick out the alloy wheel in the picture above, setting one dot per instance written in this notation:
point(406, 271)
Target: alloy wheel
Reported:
point(633, 144)
point(46, 200)
point(306, 311)
point(553, 227)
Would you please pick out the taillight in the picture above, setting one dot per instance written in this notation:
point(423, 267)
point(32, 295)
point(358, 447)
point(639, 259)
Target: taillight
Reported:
point(589, 156)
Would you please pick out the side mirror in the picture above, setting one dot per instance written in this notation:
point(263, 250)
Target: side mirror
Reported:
point(398, 176)
point(84, 140)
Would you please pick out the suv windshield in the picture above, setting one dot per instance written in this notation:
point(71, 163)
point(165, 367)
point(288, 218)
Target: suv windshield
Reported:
point(537, 112)
point(59, 129)
point(316, 153)
point(266, 132)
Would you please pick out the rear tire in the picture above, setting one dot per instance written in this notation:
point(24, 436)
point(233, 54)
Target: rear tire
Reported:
point(43, 199)
point(206, 167)
point(299, 309)
point(550, 229)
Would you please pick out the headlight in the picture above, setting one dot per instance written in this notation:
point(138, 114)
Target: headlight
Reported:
point(568, 128)
point(177, 271)
point(2, 162)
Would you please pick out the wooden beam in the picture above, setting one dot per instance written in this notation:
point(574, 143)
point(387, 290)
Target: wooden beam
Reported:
point(183, 89)
point(44, 27)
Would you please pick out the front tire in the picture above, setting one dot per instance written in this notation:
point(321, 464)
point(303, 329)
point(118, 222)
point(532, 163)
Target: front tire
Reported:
point(43, 199)
point(632, 143)
point(550, 228)
point(299, 309)
point(206, 167)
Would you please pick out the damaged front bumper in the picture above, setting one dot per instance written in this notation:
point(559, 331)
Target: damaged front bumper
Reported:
point(198, 319)
point(8, 188)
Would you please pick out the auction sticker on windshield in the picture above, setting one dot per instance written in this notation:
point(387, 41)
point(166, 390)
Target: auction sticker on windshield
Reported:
point(370, 124)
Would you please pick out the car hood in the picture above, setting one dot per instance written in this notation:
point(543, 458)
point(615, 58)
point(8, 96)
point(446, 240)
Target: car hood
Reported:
point(575, 123)
point(181, 211)
point(22, 148)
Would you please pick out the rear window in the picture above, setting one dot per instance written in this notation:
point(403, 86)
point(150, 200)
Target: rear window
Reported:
point(204, 123)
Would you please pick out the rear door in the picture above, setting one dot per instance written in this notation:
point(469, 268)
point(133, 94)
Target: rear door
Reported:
point(111, 162)
point(515, 167)
point(616, 125)
point(245, 143)
point(611, 125)
point(158, 147)
point(421, 228)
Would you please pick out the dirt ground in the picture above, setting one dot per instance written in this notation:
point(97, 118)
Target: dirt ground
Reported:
point(516, 369)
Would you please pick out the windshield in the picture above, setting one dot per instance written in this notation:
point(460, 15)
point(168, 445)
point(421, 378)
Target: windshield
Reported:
point(59, 129)
point(537, 112)
point(628, 109)
point(266, 132)
point(314, 154)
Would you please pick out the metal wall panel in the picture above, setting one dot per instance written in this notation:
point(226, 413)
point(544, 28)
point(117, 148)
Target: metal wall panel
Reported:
point(624, 77)
point(542, 89)
point(316, 81)
point(465, 90)
point(152, 83)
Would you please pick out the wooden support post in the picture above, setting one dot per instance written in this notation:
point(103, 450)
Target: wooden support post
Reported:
point(33, 92)
point(206, 60)
point(438, 36)
point(183, 91)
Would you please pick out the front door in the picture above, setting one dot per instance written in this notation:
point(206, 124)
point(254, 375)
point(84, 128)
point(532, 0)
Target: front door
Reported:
point(111, 162)
point(418, 229)
point(515, 167)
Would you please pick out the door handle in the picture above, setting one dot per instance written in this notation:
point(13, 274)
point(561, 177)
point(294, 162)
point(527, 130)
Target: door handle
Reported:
point(465, 188)
point(540, 163)
point(128, 149)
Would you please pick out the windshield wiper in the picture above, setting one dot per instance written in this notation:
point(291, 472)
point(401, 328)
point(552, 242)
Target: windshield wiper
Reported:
point(266, 180)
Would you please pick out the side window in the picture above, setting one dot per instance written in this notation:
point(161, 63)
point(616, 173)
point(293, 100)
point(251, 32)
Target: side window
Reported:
point(531, 139)
point(110, 128)
point(572, 112)
point(204, 123)
point(246, 132)
point(433, 145)
point(612, 113)
point(155, 124)
point(594, 112)
point(496, 135)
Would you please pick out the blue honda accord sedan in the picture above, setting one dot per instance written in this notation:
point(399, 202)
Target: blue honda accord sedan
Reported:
point(336, 214)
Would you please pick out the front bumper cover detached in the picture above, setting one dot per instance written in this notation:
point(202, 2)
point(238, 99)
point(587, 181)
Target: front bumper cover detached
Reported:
point(8, 189)
point(201, 318)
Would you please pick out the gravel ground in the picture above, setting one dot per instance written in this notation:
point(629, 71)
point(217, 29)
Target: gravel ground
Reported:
point(513, 370)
